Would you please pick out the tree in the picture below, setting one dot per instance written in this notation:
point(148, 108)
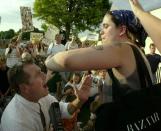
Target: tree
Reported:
point(44, 27)
point(74, 15)
point(7, 34)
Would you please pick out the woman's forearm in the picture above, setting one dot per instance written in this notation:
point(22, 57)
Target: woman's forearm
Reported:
point(152, 26)
point(55, 63)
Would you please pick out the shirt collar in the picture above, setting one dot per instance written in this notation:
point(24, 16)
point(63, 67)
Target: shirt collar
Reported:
point(28, 104)
point(57, 44)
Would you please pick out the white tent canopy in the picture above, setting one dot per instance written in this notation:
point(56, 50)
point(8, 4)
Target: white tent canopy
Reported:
point(148, 5)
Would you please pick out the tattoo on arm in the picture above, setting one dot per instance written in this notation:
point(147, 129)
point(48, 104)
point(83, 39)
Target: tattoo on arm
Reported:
point(52, 65)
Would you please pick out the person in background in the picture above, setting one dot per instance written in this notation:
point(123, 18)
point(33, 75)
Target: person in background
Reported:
point(75, 80)
point(56, 47)
point(71, 44)
point(40, 48)
point(31, 49)
point(12, 53)
point(102, 74)
point(3, 77)
point(154, 60)
point(85, 44)
point(69, 96)
point(54, 84)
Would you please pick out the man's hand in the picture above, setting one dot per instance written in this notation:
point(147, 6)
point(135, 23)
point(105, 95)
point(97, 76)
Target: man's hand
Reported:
point(135, 6)
point(83, 92)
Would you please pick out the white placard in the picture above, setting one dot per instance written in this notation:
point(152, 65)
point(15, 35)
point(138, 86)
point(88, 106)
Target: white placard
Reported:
point(36, 36)
point(26, 17)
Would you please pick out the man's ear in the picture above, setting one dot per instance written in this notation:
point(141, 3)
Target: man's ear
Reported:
point(122, 30)
point(24, 88)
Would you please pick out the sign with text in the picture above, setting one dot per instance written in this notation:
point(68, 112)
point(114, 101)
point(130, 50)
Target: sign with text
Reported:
point(26, 17)
point(36, 36)
point(92, 37)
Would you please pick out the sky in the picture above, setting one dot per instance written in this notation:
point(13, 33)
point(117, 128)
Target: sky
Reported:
point(10, 14)
point(10, 11)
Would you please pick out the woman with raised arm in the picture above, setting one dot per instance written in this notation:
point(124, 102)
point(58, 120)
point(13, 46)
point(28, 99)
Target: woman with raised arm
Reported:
point(120, 30)
point(150, 23)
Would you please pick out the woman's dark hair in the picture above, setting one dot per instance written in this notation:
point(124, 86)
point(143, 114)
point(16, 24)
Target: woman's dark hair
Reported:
point(114, 19)
point(70, 98)
point(68, 87)
point(136, 35)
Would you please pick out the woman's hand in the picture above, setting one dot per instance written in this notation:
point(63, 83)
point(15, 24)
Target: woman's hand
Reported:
point(135, 6)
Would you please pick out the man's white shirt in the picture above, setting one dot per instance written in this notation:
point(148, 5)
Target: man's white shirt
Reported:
point(55, 48)
point(23, 115)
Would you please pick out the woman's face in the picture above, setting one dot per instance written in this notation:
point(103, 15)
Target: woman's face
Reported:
point(109, 31)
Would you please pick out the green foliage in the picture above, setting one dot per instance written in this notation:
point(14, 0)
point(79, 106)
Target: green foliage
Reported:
point(44, 27)
point(11, 33)
point(7, 34)
point(74, 15)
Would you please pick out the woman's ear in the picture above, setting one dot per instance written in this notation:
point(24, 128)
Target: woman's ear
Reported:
point(122, 30)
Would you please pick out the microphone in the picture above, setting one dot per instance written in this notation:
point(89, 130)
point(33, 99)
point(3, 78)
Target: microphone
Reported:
point(55, 117)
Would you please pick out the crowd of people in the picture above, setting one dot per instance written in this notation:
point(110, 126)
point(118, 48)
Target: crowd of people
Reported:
point(61, 85)
point(74, 75)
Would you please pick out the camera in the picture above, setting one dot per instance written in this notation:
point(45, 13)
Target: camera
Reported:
point(95, 81)
point(55, 117)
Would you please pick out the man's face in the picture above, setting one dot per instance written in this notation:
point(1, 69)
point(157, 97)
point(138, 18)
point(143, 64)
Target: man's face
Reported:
point(58, 39)
point(37, 87)
point(152, 49)
point(76, 79)
point(73, 38)
point(102, 74)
